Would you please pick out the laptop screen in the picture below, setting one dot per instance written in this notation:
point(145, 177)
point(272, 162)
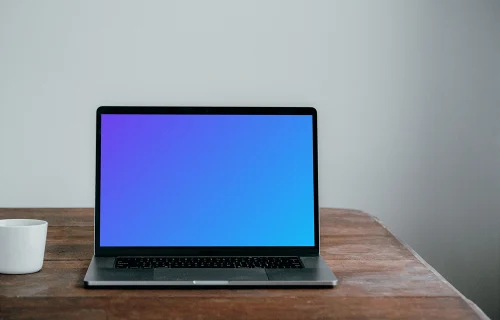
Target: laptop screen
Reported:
point(206, 180)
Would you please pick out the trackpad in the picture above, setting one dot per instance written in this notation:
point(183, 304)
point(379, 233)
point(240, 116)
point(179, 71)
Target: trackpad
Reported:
point(208, 274)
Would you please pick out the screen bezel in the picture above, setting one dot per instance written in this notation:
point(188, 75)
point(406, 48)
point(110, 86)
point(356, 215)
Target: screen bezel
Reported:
point(204, 251)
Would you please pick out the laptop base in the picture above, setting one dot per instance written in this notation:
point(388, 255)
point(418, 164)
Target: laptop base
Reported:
point(316, 273)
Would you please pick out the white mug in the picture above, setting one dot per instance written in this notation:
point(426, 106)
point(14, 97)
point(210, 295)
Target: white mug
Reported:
point(22, 245)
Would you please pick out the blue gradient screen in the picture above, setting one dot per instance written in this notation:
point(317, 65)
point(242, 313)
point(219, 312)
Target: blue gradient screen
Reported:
point(206, 180)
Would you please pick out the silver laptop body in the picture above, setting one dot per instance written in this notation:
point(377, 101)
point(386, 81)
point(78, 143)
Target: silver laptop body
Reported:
point(207, 196)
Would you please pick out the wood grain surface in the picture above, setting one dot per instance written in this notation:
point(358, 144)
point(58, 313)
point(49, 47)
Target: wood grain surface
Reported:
point(379, 278)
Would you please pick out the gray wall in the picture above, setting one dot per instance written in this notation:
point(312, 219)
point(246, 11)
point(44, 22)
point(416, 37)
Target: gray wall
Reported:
point(408, 95)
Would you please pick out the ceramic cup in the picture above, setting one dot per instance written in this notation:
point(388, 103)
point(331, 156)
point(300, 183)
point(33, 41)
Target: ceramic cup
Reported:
point(22, 245)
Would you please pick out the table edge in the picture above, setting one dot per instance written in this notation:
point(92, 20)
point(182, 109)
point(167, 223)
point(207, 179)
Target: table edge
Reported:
point(480, 313)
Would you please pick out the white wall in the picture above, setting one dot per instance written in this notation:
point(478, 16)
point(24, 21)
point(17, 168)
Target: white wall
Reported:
point(408, 95)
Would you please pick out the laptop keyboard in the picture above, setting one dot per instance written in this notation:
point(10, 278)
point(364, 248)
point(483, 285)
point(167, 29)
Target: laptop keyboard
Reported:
point(207, 262)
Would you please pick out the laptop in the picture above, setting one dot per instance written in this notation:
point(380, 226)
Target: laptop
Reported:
point(207, 196)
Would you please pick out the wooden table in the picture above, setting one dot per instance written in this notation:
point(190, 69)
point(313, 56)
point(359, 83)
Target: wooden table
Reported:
point(379, 278)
